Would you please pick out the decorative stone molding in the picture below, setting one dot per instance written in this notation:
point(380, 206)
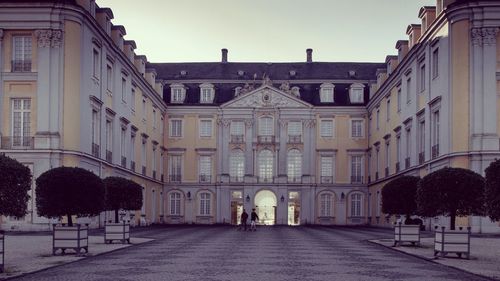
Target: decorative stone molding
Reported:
point(49, 38)
point(484, 36)
point(223, 122)
point(310, 123)
point(283, 122)
point(249, 123)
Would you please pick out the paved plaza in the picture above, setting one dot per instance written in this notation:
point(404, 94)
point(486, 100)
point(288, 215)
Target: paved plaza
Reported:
point(272, 253)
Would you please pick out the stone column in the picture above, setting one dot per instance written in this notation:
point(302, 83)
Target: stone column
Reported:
point(220, 145)
point(249, 153)
point(1, 86)
point(225, 146)
point(282, 152)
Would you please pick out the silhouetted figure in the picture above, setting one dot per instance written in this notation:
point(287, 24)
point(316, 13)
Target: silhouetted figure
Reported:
point(243, 220)
point(253, 218)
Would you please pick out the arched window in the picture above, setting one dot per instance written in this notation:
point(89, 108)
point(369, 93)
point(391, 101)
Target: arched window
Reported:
point(205, 203)
point(175, 203)
point(237, 165)
point(356, 205)
point(326, 205)
point(294, 163)
point(265, 165)
point(266, 126)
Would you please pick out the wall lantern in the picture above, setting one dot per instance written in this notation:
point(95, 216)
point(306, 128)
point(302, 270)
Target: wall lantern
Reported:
point(189, 195)
point(342, 196)
point(247, 198)
point(282, 198)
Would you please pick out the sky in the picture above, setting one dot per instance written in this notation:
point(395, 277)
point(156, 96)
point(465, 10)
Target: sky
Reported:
point(265, 30)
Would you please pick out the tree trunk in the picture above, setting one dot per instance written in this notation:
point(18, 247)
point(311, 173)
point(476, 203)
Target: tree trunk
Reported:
point(453, 216)
point(116, 216)
point(70, 220)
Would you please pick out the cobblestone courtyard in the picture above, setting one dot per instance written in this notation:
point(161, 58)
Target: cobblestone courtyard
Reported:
point(271, 253)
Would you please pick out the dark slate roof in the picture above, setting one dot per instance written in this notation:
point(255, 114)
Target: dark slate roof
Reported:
point(275, 71)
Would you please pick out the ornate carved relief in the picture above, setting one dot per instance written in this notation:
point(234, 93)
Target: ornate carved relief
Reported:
point(268, 99)
point(311, 123)
point(49, 38)
point(486, 36)
point(283, 122)
point(249, 123)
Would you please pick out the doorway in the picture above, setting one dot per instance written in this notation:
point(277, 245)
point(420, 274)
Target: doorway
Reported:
point(265, 206)
point(293, 208)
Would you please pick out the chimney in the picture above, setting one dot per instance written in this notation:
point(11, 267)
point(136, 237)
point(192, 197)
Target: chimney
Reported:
point(309, 55)
point(224, 55)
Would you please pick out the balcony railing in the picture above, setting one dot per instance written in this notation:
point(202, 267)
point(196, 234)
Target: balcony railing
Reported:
point(407, 162)
point(237, 139)
point(421, 157)
point(109, 156)
point(96, 150)
point(265, 179)
point(296, 179)
point(174, 178)
point(17, 142)
point(236, 179)
point(143, 170)
point(435, 151)
point(265, 139)
point(326, 179)
point(295, 139)
point(132, 165)
point(205, 178)
point(21, 65)
point(124, 162)
point(154, 174)
point(356, 179)
point(398, 167)
point(386, 171)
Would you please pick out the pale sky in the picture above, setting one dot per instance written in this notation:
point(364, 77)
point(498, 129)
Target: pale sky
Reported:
point(265, 30)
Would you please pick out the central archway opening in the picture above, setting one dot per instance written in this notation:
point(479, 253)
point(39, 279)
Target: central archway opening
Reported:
point(265, 206)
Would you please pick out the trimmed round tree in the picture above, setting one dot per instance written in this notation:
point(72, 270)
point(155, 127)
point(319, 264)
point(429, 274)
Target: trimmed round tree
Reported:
point(492, 190)
point(15, 182)
point(399, 196)
point(451, 192)
point(68, 191)
point(122, 194)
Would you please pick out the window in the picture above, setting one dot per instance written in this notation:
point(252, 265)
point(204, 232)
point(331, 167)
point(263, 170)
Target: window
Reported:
point(356, 173)
point(205, 128)
point(161, 124)
point(21, 55)
point(123, 143)
point(237, 165)
point(143, 156)
point(144, 109)
point(96, 64)
point(205, 168)
point(356, 93)
point(422, 77)
point(132, 151)
point(178, 94)
point(294, 128)
point(408, 147)
point(326, 128)
point(95, 133)
point(387, 156)
point(378, 204)
point(176, 128)
point(175, 168)
point(124, 89)
point(109, 140)
point(421, 142)
point(357, 128)
point(435, 132)
point(132, 99)
point(205, 203)
point(398, 148)
point(294, 163)
point(206, 94)
point(388, 110)
point(326, 93)
point(435, 63)
point(153, 162)
point(109, 78)
point(266, 126)
point(378, 119)
point(399, 99)
point(154, 119)
point(377, 162)
point(408, 90)
point(21, 122)
point(237, 128)
point(266, 165)
point(175, 204)
point(356, 205)
point(326, 203)
point(326, 169)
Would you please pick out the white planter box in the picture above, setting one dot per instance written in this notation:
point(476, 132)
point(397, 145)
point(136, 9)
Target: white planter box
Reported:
point(70, 237)
point(406, 233)
point(2, 251)
point(452, 241)
point(117, 231)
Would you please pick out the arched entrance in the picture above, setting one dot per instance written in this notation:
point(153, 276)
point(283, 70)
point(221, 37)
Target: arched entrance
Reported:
point(265, 205)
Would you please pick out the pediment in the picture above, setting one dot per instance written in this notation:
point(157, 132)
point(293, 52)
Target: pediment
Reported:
point(267, 97)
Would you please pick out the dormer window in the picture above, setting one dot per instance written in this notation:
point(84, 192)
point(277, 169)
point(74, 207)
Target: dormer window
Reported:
point(178, 93)
point(356, 93)
point(326, 93)
point(206, 93)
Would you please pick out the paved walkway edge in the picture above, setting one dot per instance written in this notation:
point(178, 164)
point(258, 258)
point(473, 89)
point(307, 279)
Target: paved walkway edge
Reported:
point(70, 262)
point(433, 260)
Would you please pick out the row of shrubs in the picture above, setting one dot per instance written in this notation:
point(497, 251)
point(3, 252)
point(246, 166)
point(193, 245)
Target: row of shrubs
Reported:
point(64, 191)
point(446, 192)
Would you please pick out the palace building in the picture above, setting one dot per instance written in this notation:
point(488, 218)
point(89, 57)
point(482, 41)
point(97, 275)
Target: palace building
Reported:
point(301, 142)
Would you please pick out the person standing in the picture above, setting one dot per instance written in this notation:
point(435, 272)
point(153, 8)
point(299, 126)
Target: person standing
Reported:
point(243, 220)
point(253, 218)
